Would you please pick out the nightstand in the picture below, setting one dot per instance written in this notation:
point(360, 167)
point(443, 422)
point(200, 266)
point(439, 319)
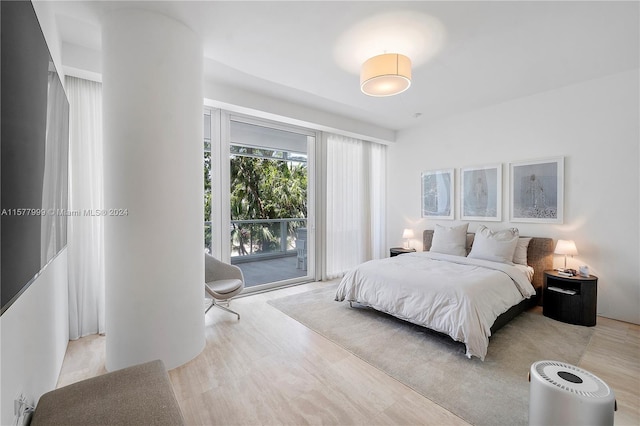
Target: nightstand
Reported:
point(570, 299)
point(395, 251)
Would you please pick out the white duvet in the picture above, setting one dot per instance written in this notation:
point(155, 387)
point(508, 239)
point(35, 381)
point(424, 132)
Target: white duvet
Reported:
point(455, 295)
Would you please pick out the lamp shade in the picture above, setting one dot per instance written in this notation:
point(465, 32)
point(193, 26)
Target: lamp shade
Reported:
point(385, 75)
point(407, 233)
point(566, 247)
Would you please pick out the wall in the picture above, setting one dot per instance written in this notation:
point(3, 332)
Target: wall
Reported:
point(85, 63)
point(594, 125)
point(261, 106)
point(34, 331)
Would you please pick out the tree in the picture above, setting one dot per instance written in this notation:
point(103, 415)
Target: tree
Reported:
point(265, 188)
point(207, 199)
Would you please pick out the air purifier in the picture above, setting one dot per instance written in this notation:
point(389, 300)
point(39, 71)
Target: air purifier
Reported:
point(562, 394)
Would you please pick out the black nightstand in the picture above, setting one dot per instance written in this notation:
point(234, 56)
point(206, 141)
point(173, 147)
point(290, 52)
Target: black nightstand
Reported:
point(394, 251)
point(570, 299)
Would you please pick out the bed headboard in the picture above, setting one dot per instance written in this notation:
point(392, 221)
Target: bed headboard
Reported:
point(539, 255)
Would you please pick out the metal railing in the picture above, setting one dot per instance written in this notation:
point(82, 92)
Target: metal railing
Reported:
point(262, 238)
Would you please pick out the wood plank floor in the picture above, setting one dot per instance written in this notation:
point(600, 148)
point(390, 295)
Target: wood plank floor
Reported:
point(269, 369)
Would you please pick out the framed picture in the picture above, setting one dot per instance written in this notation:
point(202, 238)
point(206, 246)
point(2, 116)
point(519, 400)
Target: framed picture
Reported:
point(537, 191)
point(437, 194)
point(481, 193)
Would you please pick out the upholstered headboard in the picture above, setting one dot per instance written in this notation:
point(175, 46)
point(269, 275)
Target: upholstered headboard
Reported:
point(539, 255)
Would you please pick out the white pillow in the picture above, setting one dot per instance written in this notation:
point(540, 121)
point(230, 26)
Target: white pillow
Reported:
point(495, 246)
point(520, 255)
point(450, 240)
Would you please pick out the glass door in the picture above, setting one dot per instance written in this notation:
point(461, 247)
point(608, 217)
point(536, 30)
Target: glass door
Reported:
point(208, 189)
point(269, 204)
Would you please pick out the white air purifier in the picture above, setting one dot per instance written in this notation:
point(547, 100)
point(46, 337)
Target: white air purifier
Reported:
point(562, 394)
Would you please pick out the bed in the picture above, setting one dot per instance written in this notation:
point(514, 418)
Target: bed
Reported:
point(466, 298)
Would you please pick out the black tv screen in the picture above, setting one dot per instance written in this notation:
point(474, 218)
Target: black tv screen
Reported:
point(34, 152)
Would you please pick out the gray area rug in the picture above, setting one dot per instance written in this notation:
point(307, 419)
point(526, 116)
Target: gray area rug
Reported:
point(493, 392)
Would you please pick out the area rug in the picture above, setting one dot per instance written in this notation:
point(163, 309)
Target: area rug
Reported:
point(493, 392)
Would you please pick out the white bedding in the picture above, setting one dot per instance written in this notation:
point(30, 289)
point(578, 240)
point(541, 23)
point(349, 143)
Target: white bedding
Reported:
point(455, 295)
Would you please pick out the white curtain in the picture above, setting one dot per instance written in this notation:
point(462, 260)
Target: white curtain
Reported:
point(355, 200)
point(86, 231)
point(377, 199)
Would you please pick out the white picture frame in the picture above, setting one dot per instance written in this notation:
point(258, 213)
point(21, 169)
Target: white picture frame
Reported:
point(537, 191)
point(481, 193)
point(437, 194)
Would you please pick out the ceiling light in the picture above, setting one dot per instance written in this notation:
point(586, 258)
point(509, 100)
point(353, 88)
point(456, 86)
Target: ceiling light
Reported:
point(385, 75)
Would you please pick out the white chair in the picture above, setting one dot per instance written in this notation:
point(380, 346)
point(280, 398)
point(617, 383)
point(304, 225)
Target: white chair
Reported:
point(222, 282)
point(301, 251)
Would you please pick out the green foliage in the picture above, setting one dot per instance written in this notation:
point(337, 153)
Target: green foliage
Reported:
point(207, 186)
point(261, 188)
point(267, 189)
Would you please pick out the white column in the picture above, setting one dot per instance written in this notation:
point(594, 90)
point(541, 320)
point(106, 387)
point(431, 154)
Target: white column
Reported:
point(154, 266)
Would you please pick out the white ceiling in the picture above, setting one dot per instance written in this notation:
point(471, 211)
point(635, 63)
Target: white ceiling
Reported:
point(466, 55)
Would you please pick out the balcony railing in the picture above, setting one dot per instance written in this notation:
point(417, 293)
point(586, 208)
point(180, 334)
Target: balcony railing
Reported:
point(263, 238)
point(265, 249)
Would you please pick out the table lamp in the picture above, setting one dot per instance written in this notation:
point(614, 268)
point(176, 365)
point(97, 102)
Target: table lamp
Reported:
point(407, 234)
point(566, 247)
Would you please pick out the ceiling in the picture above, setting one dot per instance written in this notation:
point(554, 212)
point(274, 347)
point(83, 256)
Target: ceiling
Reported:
point(466, 55)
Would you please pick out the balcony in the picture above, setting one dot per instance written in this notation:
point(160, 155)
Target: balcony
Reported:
point(266, 250)
point(262, 271)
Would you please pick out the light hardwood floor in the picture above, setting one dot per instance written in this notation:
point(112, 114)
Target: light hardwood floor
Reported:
point(269, 369)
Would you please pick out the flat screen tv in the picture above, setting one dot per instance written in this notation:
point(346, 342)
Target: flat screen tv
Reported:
point(34, 149)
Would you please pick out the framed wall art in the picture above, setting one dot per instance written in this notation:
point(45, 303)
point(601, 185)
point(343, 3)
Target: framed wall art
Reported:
point(481, 193)
point(437, 194)
point(537, 191)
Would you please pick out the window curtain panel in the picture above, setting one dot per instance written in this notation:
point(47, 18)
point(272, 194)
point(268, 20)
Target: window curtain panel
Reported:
point(86, 231)
point(355, 200)
point(377, 200)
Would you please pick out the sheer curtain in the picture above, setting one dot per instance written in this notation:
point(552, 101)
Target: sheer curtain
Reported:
point(377, 199)
point(86, 232)
point(355, 200)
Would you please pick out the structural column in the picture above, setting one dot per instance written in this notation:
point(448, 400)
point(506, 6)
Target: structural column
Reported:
point(154, 261)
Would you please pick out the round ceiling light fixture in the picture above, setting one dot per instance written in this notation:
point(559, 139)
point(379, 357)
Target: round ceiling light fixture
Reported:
point(385, 75)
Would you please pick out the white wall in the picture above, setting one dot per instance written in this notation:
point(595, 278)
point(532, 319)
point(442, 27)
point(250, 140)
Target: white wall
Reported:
point(34, 331)
point(594, 125)
point(86, 63)
point(258, 105)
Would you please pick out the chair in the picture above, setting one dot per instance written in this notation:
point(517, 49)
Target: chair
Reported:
point(301, 249)
point(222, 282)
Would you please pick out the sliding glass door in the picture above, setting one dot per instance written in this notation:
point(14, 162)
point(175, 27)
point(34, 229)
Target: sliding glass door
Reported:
point(265, 199)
